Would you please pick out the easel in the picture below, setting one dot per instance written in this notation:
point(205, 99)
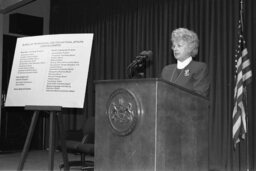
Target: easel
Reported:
point(54, 112)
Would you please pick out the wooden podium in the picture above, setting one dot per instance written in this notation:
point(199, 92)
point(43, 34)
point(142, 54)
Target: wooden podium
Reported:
point(150, 125)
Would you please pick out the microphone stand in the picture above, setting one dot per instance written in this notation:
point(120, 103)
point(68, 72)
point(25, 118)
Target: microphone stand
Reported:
point(137, 68)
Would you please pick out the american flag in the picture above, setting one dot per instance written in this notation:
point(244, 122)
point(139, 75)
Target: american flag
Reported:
point(242, 79)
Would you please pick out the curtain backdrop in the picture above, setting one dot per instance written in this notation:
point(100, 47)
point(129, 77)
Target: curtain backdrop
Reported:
point(124, 28)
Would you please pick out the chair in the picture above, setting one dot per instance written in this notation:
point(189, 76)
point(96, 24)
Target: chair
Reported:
point(81, 142)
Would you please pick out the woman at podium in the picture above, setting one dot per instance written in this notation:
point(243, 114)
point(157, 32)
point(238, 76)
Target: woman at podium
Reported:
point(186, 72)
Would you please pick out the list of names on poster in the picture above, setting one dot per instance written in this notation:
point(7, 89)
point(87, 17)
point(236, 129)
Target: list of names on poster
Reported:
point(28, 64)
point(63, 62)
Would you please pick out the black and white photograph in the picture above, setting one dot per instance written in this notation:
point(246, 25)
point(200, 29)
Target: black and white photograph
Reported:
point(127, 85)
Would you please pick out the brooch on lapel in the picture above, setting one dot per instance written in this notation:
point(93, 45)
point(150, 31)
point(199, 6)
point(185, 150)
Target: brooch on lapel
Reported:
point(186, 73)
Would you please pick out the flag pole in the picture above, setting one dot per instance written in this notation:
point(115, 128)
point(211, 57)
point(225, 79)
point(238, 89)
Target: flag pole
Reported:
point(245, 95)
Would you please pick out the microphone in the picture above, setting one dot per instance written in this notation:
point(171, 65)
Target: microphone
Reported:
point(142, 57)
point(145, 55)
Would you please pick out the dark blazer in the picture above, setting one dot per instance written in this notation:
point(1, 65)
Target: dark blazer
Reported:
point(193, 77)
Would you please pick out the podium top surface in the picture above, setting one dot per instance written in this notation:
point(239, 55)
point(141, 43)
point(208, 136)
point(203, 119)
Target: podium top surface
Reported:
point(148, 80)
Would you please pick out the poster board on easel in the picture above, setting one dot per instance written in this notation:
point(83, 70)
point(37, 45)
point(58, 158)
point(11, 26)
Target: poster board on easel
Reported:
point(50, 70)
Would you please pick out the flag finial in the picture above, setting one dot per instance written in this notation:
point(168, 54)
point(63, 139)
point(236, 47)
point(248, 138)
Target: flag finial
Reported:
point(241, 14)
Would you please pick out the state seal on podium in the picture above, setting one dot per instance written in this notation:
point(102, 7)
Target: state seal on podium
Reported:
point(123, 110)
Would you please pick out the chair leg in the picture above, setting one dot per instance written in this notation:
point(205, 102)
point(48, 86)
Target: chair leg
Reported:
point(82, 159)
point(86, 165)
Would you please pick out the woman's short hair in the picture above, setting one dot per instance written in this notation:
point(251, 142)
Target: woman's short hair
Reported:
point(188, 36)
